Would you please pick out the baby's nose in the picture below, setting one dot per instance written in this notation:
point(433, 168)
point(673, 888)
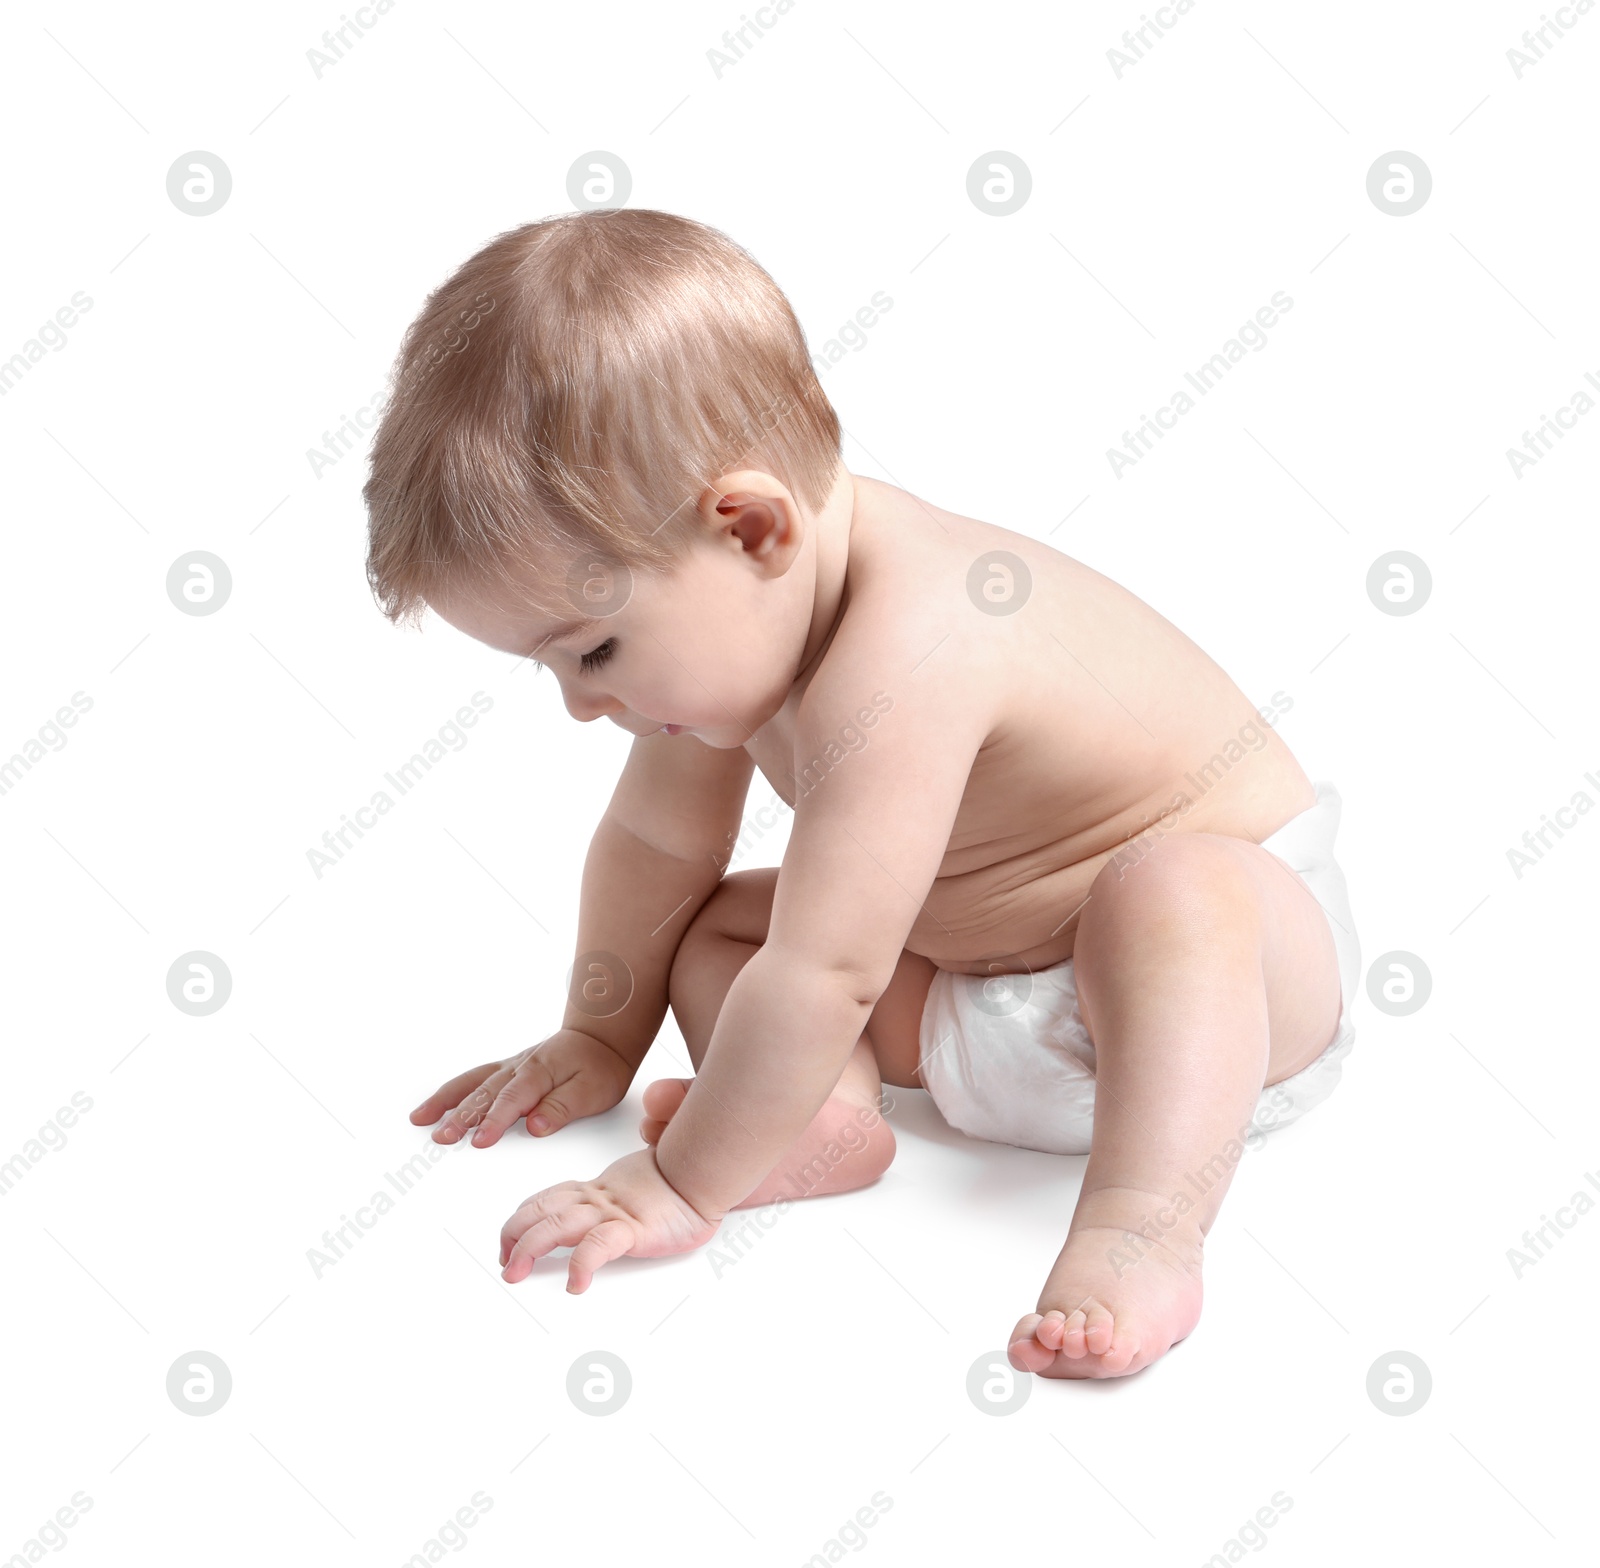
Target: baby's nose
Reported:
point(586, 707)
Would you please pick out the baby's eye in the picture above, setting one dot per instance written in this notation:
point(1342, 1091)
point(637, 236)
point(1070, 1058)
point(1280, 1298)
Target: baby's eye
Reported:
point(596, 657)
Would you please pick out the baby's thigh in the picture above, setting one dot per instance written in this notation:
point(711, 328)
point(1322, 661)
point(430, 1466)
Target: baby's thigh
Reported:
point(1299, 963)
point(1206, 881)
point(740, 906)
point(895, 1027)
point(740, 910)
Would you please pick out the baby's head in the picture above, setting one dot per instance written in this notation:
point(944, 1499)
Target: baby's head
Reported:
point(611, 419)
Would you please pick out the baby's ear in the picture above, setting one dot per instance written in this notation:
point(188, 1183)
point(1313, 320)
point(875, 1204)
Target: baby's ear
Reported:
point(760, 526)
point(771, 533)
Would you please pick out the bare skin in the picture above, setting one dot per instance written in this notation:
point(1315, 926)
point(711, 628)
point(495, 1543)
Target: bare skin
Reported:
point(1021, 751)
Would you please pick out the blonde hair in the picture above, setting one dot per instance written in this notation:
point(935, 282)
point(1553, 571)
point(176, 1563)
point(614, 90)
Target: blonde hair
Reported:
point(568, 393)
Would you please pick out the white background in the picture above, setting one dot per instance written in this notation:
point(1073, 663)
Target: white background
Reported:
point(773, 1398)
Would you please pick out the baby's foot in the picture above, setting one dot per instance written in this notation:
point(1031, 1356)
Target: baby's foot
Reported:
point(847, 1145)
point(1123, 1292)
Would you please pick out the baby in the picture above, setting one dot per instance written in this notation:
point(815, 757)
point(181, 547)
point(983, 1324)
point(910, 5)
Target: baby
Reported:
point(1047, 861)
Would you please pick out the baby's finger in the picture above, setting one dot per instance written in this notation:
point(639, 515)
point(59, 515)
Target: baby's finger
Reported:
point(609, 1239)
point(564, 1228)
point(566, 1100)
point(473, 1107)
point(514, 1098)
point(449, 1094)
point(544, 1202)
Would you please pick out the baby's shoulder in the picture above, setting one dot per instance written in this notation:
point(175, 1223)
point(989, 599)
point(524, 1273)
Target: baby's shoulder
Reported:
point(916, 577)
point(912, 563)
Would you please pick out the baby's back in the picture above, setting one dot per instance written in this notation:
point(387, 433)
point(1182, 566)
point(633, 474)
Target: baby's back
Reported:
point(1101, 717)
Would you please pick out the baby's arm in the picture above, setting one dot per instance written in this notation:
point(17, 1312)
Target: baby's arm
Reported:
point(867, 842)
point(675, 809)
point(653, 862)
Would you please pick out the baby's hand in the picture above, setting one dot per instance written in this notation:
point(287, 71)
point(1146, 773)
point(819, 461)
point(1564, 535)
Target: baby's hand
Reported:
point(567, 1076)
point(629, 1209)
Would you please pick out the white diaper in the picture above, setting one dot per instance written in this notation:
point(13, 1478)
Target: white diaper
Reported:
point(1007, 1059)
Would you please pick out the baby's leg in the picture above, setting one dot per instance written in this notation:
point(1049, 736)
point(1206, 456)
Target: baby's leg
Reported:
point(1204, 971)
point(848, 1143)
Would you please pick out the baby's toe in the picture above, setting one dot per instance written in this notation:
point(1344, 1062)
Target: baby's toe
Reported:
point(1073, 1342)
point(663, 1098)
point(1052, 1326)
point(1025, 1352)
point(1098, 1330)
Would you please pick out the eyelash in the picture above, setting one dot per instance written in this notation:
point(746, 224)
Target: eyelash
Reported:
point(595, 658)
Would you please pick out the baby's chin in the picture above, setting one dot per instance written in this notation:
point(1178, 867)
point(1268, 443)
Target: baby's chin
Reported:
point(720, 738)
point(725, 733)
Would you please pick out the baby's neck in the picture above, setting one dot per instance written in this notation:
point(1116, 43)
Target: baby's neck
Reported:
point(832, 529)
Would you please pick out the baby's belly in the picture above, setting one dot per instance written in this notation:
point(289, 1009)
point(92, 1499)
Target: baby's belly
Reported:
point(1022, 913)
point(1006, 918)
